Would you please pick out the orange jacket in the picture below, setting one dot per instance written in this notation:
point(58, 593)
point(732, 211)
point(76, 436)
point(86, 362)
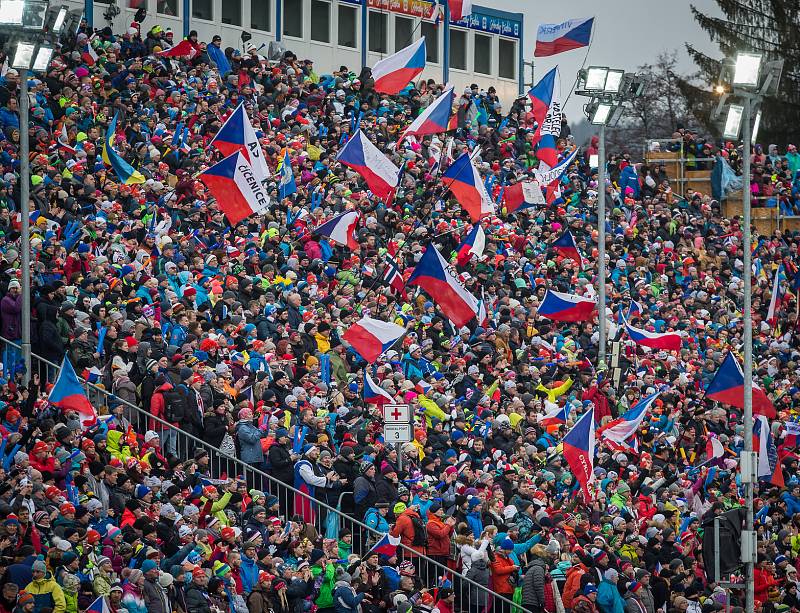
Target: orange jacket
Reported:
point(502, 568)
point(438, 536)
point(404, 528)
point(572, 586)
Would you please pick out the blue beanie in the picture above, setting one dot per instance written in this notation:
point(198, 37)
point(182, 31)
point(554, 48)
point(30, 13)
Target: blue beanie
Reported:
point(281, 432)
point(473, 502)
point(148, 565)
point(142, 491)
point(507, 544)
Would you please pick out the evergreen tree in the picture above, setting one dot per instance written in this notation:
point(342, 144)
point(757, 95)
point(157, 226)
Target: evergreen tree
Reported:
point(771, 27)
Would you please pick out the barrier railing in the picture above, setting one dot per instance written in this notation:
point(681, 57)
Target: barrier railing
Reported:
point(329, 523)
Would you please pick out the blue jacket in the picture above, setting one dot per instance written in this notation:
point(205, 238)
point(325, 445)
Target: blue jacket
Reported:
point(609, 599)
point(249, 436)
point(249, 574)
point(345, 599)
point(375, 520)
point(475, 523)
point(792, 503)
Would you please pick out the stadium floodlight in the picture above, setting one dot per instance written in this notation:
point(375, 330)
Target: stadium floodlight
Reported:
point(60, 20)
point(602, 114)
point(733, 122)
point(23, 56)
point(11, 12)
point(43, 56)
point(614, 81)
point(596, 78)
point(756, 125)
point(747, 69)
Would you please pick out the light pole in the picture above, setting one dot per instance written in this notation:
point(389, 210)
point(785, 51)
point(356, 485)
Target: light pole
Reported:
point(28, 22)
point(751, 81)
point(608, 89)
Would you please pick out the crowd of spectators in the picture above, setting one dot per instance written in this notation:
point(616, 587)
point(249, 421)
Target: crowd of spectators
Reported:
point(233, 335)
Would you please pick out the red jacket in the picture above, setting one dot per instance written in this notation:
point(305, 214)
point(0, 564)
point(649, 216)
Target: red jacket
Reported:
point(502, 568)
point(763, 581)
point(404, 528)
point(600, 402)
point(158, 407)
point(438, 536)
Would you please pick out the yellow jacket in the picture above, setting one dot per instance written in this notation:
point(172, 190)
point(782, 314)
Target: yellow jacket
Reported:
point(47, 594)
point(555, 392)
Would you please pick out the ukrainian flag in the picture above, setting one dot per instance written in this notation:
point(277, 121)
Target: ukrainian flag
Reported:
point(127, 174)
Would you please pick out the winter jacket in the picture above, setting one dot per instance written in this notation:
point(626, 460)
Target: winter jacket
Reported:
point(11, 309)
point(533, 584)
point(280, 462)
point(404, 528)
point(197, 599)
point(158, 407)
point(47, 594)
point(608, 598)
point(324, 598)
point(503, 568)
point(439, 534)
point(479, 573)
point(250, 449)
point(345, 599)
point(133, 599)
point(249, 574)
point(572, 586)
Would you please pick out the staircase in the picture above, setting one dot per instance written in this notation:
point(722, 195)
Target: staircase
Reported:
point(328, 521)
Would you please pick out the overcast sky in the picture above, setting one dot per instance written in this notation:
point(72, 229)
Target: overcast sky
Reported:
point(626, 34)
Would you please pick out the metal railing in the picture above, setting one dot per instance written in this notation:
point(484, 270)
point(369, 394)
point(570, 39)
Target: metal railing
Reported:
point(329, 522)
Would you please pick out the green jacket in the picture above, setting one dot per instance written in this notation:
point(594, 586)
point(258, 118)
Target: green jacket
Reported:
point(325, 597)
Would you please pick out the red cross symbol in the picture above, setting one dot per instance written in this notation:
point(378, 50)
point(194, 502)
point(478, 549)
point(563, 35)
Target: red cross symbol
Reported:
point(396, 413)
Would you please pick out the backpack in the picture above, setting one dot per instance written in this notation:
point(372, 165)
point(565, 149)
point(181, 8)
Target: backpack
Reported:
point(420, 535)
point(174, 405)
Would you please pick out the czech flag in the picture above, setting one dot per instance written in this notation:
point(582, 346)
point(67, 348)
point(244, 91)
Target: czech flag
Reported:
point(542, 95)
point(554, 414)
point(521, 195)
point(435, 118)
point(237, 134)
point(769, 467)
point(126, 173)
point(182, 49)
point(371, 337)
point(392, 74)
point(99, 606)
point(236, 188)
point(625, 426)
point(727, 387)
point(566, 307)
point(63, 140)
point(341, 229)
point(387, 546)
point(579, 450)
point(89, 55)
point(68, 395)
point(381, 175)
point(432, 275)
point(565, 245)
point(671, 341)
point(287, 184)
point(553, 38)
point(459, 9)
point(634, 309)
point(548, 131)
point(777, 296)
point(473, 243)
point(463, 180)
point(374, 393)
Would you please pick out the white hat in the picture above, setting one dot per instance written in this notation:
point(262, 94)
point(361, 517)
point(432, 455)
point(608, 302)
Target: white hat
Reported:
point(150, 435)
point(413, 348)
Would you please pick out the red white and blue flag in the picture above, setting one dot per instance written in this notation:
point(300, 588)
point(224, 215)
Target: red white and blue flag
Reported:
point(374, 393)
point(386, 546)
point(236, 188)
point(341, 229)
point(549, 129)
point(634, 309)
point(769, 466)
point(473, 243)
point(566, 246)
point(63, 140)
point(464, 181)
point(99, 606)
point(670, 341)
point(435, 118)
point(777, 296)
point(394, 278)
point(371, 337)
point(553, 38)
point(237, 134)
point(68, 395)
point(579, 450)
point(89, 55)
point(393, 73)
point(381, 175)
point(182, 49)
point(554, 414)
point(625, 426)
point(432, 275)
point(521, 195)
point(727, 387)
point(459, 9)
point(542, 95)
point(566, 307)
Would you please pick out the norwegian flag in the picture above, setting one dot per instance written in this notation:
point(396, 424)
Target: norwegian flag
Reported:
point(393, 278)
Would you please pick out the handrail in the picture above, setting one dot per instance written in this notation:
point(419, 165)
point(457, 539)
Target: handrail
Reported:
point(410, 553)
